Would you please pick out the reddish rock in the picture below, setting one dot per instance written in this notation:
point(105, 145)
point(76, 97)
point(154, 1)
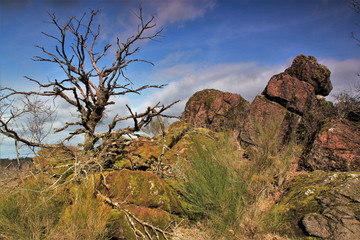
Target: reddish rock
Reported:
point(216, 110)
point(335, 148)
point(288, 98)
point(270, 117)
point(293, 94)
point(307, 69)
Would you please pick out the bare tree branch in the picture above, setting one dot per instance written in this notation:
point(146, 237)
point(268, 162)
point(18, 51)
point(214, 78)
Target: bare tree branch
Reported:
point(87, 86)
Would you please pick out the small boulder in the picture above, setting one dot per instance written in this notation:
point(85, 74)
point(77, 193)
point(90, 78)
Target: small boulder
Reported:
point(216, 110)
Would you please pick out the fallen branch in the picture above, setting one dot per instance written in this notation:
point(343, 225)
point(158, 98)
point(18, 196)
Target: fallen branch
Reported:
point(132, 217)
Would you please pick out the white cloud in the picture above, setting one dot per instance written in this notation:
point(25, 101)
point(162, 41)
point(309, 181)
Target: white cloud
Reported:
point(246, 79)
point(343, 73)
point(168, 11)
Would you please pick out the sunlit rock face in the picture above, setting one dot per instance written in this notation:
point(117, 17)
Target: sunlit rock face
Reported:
point(216, 110)
point(295, 95)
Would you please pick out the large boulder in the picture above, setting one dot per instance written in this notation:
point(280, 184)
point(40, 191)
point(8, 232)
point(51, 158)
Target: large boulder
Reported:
point(319, 204)
point(216, 110)
point(295, 95)
point(307, 69)
point(336, 148)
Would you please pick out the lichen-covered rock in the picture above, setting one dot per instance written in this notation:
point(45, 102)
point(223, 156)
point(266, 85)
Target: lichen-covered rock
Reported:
point(164, 153)
point(216, 110)
point(320, 204)
point(141, 197)
point(335, 148)
point(55, 161)
point(142, 188)
point(307, 69)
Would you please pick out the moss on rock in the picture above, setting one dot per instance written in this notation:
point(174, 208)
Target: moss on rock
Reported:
point(317, 194)
point(55, 161)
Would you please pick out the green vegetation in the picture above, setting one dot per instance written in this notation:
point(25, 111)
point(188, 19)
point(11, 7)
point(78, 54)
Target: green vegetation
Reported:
point(86, 217)
point(228, 195)
point(214, 189)
point(29, 213)
point(33, 212)
point(234, 193)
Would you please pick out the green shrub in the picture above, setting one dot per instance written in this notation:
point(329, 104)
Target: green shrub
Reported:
point(32, 211)
point(214, 189)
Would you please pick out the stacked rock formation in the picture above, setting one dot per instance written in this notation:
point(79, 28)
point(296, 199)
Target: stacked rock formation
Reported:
point(292, 106)
point(287, 97)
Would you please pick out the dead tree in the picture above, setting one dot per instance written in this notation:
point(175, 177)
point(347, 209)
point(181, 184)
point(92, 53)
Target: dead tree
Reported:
point(88, 86)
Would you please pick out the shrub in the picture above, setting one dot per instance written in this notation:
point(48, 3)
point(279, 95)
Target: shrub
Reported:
point(233, 193)
point(32, 211)
point(348, 103)
point(215, 189)
point(86, 217)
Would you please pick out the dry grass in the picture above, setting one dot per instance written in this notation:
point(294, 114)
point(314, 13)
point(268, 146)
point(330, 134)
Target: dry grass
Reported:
point(190, 233)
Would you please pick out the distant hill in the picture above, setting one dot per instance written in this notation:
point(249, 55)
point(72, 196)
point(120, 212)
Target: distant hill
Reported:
point(6, 162)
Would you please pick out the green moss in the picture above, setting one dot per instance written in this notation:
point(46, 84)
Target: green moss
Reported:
point(142, 189)
point(55, 161)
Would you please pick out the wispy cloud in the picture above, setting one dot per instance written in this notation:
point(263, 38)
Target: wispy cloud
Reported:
point(168, 12)
point(246, 79)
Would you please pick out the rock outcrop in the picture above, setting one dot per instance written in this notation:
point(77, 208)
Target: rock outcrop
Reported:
point(336, 148)
point(321, 204)
point(291, 107)
point(216, 110)
point(287, 97)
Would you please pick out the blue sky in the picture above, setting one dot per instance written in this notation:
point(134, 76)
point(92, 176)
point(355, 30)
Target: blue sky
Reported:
point(231, 45)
